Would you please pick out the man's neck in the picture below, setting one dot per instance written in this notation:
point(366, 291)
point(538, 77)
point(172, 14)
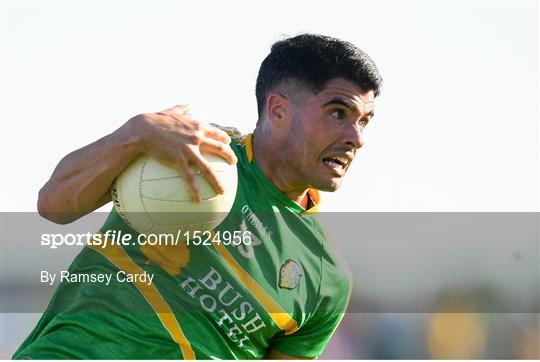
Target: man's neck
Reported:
point(274, 170)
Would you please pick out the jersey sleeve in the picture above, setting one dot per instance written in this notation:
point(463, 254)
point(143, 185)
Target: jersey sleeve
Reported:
point(311, 339)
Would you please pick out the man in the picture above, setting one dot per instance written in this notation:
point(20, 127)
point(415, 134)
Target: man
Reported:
point(281, 296)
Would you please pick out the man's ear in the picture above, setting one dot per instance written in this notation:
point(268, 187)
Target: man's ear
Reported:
point(278, 109)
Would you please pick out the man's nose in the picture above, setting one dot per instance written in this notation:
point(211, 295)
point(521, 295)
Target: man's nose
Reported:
point(354, 136)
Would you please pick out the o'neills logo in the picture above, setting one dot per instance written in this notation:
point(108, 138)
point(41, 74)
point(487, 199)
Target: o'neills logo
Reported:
point(251, 219)
point(232, 313)
point(289, 275)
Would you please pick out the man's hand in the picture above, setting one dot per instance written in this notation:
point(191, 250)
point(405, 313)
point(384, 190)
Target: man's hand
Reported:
point(174, 138)
point(81, 181)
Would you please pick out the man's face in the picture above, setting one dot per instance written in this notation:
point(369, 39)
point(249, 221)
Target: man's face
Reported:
point(326, 132)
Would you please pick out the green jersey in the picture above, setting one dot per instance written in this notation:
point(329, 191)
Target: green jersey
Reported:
point(287, 289)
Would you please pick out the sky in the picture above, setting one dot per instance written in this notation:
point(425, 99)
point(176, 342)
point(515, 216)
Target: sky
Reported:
point(456, 125)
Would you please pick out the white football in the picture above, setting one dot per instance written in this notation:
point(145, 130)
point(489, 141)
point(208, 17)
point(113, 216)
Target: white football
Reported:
point(153, 198)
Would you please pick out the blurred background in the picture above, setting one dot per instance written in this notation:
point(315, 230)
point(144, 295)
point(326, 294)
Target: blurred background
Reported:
point(436, 336)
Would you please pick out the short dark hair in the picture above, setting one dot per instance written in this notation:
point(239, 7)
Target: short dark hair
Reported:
point(313, 60)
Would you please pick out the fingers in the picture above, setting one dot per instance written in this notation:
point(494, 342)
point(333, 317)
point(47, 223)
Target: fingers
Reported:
point(217, 134)
point(180, 110)
point(209, 131)
point(220, 149)
point(212, 139)
point(207, 171)
point(189, 178)
point(175, 130)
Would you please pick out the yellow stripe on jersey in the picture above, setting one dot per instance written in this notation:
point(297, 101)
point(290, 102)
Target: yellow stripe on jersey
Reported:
point(118, 256)
point(248, 141)
point(282, 319)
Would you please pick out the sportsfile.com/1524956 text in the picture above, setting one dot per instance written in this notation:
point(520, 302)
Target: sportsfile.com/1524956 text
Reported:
point(121, 238)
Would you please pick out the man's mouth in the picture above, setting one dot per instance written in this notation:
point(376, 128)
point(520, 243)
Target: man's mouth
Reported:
point(338, 164)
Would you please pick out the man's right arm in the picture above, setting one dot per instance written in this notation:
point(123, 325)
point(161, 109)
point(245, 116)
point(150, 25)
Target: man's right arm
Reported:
point(81, 181)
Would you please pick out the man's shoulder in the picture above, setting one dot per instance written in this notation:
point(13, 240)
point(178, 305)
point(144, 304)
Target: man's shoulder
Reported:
point(233, 132)
point(240, 142)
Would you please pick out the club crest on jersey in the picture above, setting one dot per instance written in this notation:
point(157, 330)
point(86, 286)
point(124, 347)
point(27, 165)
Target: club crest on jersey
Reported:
point(289, 275)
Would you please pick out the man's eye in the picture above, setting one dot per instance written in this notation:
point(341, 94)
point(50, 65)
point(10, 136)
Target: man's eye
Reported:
point(363, 122)
point(337, 114)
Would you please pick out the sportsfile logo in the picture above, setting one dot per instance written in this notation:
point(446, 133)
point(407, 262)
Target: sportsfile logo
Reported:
point(235, 315)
